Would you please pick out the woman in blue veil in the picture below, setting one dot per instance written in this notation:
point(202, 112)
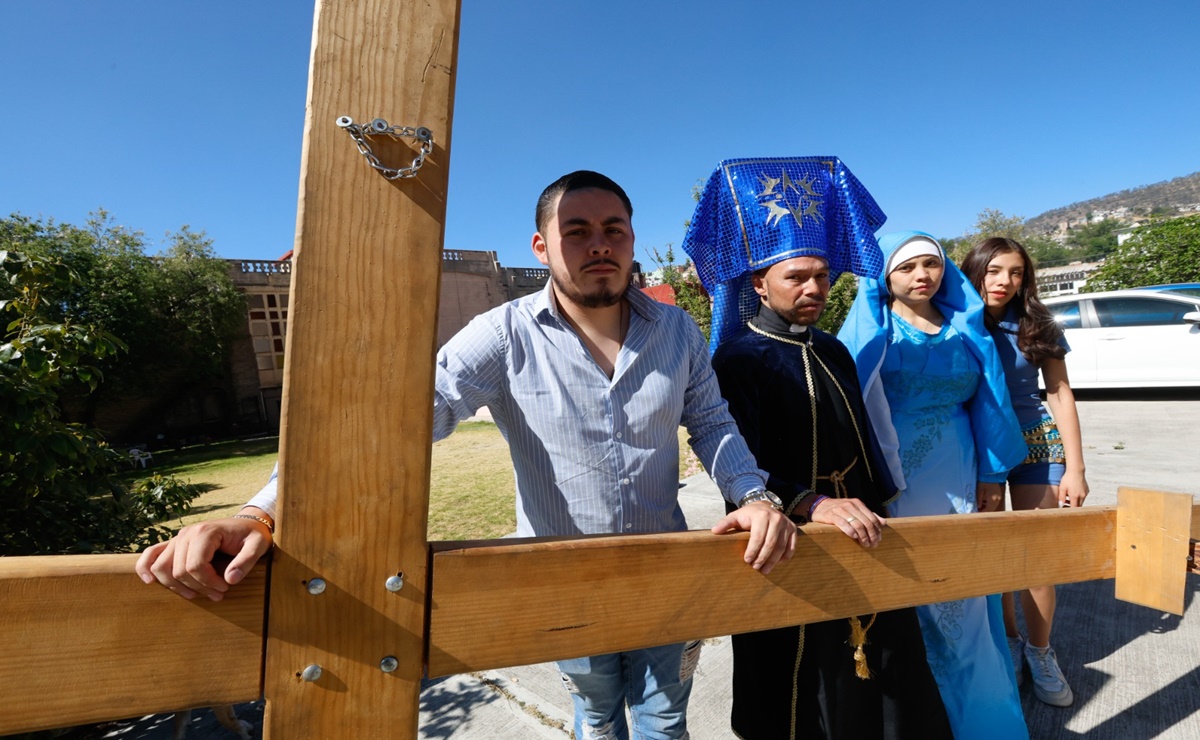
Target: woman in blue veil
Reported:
point(937, 397)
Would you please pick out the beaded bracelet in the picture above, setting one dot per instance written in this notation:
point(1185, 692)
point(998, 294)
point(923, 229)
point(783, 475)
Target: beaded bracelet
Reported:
point(270, 526)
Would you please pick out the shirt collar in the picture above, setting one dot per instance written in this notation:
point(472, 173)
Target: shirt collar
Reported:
point(768, 320)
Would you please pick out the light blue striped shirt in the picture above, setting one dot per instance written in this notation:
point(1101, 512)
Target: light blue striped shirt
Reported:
point(594, 455)
point(591, 455)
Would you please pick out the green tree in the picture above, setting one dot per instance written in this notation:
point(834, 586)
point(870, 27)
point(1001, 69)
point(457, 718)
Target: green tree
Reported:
point(689, 293)
point(1094, 240)
point(200, 303)
point(841, 296)
point(994, 223)
point(957, 246)
point(61, 487)
point(1163, 252)
point(177, 312)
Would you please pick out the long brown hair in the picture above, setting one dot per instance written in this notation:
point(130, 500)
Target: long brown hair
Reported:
point(1038, 334)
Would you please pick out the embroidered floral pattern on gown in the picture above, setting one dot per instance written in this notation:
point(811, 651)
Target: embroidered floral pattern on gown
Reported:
point(927, 379)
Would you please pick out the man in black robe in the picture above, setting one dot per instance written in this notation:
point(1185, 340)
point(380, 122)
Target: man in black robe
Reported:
point(794, 392)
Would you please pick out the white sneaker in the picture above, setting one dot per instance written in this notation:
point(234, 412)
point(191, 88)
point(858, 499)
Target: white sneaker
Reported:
point(1016, 649)
point(1049, 683)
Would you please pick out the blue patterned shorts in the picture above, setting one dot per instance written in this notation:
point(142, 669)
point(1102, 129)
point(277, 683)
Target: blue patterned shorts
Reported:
point(1045, 463)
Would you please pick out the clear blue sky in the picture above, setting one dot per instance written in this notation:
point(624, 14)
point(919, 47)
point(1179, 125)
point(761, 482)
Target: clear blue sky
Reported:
point(173, 113)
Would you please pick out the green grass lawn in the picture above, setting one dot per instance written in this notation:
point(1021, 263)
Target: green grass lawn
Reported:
point(472, 490)
point(227, 473)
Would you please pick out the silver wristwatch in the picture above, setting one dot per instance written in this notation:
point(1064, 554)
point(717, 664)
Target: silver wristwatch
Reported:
point(762, 495)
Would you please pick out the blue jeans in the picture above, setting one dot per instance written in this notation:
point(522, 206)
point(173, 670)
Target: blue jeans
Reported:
point(654, 682)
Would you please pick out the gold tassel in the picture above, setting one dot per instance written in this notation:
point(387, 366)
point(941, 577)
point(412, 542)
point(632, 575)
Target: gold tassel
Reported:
point(858, 638)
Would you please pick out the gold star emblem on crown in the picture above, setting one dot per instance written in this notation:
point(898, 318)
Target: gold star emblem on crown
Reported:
point(783, 195)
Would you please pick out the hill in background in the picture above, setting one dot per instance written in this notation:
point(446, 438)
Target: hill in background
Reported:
point(1170, 198)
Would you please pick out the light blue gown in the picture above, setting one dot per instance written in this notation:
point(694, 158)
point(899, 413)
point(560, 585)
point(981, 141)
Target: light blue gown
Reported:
point(941, 411)
point(927, 379)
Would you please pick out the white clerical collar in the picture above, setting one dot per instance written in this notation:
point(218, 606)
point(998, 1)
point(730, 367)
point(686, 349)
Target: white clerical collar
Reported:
point(797, 329)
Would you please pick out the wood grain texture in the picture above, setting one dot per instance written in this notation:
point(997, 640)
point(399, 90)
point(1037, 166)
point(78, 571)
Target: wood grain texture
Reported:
point(497, 605)
point(84, 640)
point(357, 417)
point(1153, 543)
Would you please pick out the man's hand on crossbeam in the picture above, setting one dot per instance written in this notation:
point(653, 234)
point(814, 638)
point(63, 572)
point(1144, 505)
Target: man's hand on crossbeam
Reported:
point(772, 534)
point(184, 563)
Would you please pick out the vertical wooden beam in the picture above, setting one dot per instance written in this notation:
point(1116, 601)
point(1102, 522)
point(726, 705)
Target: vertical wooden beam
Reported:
point(1153, 545)
point(355, 441)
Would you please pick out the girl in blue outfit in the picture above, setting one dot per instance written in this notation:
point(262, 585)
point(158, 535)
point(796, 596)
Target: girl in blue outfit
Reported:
point(1052, 475)
point(936, 394)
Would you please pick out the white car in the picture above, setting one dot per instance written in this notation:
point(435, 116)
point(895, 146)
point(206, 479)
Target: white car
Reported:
point(1130, 338)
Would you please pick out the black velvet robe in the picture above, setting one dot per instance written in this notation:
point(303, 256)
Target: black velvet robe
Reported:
point(800, 682)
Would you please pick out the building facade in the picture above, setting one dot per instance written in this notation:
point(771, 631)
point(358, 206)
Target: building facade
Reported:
point(1065, 279)
point(472, 282)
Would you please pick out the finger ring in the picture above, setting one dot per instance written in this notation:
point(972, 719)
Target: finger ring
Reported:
point(849, 519)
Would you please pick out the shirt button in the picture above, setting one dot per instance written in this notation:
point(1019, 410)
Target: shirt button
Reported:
point(625, 481)
point(618, 435)
point(628, 526)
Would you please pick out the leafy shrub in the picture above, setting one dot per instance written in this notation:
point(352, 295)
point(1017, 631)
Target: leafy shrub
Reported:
point(61, 485)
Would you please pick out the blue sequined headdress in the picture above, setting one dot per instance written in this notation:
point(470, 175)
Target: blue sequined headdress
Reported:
point(756, 212)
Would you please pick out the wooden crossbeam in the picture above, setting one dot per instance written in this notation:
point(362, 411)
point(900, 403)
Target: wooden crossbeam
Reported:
point(558, 599)
point(85, 641)
point(64, 621)
point(553, 600)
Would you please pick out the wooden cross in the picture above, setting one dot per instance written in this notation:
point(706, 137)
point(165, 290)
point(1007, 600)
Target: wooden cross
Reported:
point(84, 640)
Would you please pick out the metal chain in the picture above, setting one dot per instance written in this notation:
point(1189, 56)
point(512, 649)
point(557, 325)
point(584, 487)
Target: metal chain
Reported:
point(380, 127)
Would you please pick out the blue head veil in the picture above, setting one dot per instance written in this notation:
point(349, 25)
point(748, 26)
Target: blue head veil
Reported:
point(999, 445)
point(756, 212)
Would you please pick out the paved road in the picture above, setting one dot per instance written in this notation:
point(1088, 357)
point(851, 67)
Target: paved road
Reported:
point(1135, 671)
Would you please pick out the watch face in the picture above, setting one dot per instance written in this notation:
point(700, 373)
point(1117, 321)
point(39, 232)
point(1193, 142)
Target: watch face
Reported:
point(761, 496)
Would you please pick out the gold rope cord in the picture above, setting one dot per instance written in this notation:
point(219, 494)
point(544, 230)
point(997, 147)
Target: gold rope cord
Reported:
point(838, 479)
point(795, 678)
point(858, 638)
